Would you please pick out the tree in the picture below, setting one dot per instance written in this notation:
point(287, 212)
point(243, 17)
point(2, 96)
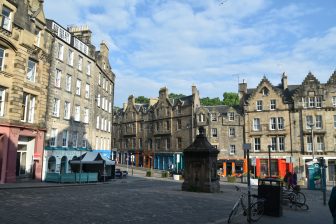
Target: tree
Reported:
point(206, 101)
point(230, 99)
point(141, 99)
point(175, 96)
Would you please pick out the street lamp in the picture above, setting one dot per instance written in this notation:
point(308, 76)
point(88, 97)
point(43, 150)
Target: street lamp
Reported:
point(311, 125)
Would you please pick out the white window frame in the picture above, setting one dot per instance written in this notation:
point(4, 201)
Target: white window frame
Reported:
point(311, 102)
point(109, 126)
point(214, 132)
point(257, 144)
point(60, 51)
point(320, 143)
point(70, 57)
point(67, 110)
point(75, 139)
point(84, 140)
point(56, 107)
point(68, 83)
point(281, 141)
point(80, 63)
point(272, 104)
point(97, 122)
point(309, 142)
point(232, 132)
point(78, 87)
point(273, 123)
point(77, 113)
point(29, 108)
point(318, 122)
point(65, 138)
point(334, 121)
point(86, 115)
point(98, 100)
point(309, 120)
point(2, 58)
point(256, 124)
point(259, 105)
point(333, 100)
point(6, 22)
point(53, 137)
point(88, 68)
point(231, 116)
point(281, 123)
point(213, 117)
point(2, 101)
point(318, 101)
point(58, 78)
point(201, 117)
point(87, 91)
point(232, 149)
point(31, 72)
point(274, 143)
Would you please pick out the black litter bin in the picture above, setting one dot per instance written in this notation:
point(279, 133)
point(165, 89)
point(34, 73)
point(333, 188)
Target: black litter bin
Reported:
point(270, 189)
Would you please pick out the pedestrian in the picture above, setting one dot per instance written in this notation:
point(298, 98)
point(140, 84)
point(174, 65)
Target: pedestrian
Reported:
point(287, 178)
point(294, 179)
point(332, 204)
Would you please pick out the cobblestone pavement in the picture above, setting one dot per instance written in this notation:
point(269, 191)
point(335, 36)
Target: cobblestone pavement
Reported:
point(136, 200)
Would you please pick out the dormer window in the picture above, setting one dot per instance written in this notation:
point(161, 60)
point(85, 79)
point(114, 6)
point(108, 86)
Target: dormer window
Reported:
point(265, 91)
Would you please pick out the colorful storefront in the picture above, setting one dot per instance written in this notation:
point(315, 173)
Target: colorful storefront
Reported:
point(21, 151)
point(279, 167)
point(232, 167)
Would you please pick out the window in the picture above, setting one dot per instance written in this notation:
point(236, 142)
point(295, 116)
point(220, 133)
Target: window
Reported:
point(318, 102)
point(78, 87)
point(320, 143)
point(318, 119)
point(99, 78)
point(232, 149)
point(86, 115)
point(70, 57)
point(111, 88)
point(201, 117)
point(110, 107)
point(179, 110)
point(6, 18)
point(231, 116)
point(109, 126)
point(311, 101)
point(281, 124)
point(80, 63)
point(67, 110)
point(102, 124)
point(274, 144)
point(58, 77)
point(60, 51)
point(168, 125)
point(259, 105)
point(214, 132)
point(38, 33)
point(334, 101)
point(309, 143)
point(53, 137)
point(273, 105)
point(65, 138)
point(2, 101)
point(265, 91)
point(84, 140)
point(2, 57)
point(168, 143)
point(334, 120)
point(179, 124)
point(273, 121)
point(28, 108)
point(179, 143)
point(309, 121)
point(81, 46)
point(232, 132)
point(87, 91)
point(213, 117)
point(77, 113)
point(305, 102)
point(256, 144)
point(31, 71)
point(256, 124)
point(103, 82)
point(88, 68)
point(97, 122)
point(61, 33)
point(98, 100)
point(281, 143)
point(68, 83)
point(75, 139)
point(56, 107)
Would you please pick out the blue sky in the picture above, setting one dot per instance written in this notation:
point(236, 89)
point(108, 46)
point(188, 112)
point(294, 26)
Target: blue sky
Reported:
point(209, 43)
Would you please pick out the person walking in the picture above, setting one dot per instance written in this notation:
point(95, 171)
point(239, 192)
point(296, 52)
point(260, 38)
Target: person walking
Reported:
point(332, 204)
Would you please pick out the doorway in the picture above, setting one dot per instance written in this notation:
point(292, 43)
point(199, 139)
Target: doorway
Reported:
point(21, 160)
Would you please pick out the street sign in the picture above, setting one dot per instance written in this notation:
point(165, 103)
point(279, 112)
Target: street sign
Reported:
point(246, 146)
point(132, 158)
point(178, 158)
point(253, 161)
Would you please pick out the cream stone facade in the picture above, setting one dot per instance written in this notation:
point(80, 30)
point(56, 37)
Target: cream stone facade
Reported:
point(24, 56)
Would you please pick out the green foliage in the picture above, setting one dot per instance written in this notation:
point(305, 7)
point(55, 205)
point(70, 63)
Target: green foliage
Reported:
point(142, 99)
point(231, 179)
point(211, 101)
point(148, 173)
point(230, 99)
point(164, 174)
point(175, 96)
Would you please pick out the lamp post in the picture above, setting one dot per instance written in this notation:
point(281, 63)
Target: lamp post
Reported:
point(311, 125)
point(269, 160)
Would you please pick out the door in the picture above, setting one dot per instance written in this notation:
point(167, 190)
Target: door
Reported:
point(21, 160)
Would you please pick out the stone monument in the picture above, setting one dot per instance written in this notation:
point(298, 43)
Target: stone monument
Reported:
point(200, 173)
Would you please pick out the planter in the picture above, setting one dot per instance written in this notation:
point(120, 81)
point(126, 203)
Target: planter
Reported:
point(177, 177)
point(254, 182)
point(231, 179)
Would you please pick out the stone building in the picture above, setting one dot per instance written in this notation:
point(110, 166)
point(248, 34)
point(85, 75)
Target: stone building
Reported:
point(24, 68)
point(80, 97)
point(155, 134)
point(224, 127)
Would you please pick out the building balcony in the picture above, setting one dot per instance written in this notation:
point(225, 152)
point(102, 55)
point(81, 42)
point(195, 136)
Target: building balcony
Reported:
point(162, 132)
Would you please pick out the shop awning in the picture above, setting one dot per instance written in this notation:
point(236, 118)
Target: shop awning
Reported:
point(92, 158)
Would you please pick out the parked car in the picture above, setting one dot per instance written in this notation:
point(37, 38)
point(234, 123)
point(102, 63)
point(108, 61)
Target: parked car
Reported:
point(120, 174)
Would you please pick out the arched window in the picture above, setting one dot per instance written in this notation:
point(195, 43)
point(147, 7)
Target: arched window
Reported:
point(52, 164)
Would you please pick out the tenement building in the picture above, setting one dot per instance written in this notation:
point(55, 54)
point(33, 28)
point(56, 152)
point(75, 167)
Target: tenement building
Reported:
point(80, 97)
point(224, 127)
point(293, 124)
point(24, 65)
point(155, 134)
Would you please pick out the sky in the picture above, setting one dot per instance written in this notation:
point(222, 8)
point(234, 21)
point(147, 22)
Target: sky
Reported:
point(213, 44)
